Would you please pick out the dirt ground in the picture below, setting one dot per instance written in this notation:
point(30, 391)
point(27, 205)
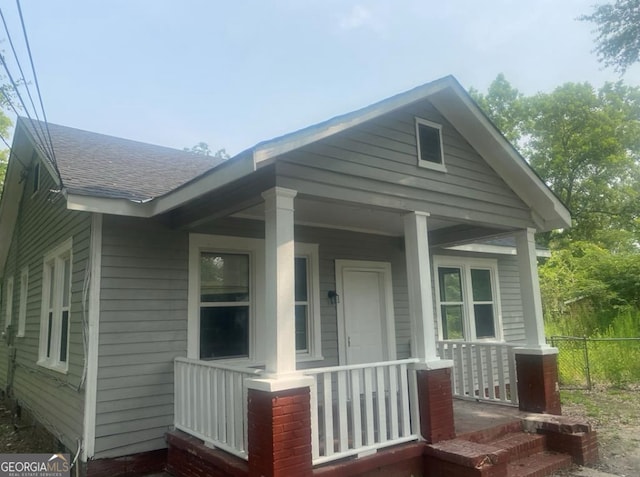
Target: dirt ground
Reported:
point(615, 414)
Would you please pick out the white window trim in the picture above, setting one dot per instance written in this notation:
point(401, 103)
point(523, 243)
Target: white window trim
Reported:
point(24, 295)
point(8, 311)
point(465, 264)
point(424, 163)
point(53, 362)
point(255, 248)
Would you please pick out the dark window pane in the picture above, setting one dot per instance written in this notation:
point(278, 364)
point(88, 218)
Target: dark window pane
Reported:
point(64, 336)
point(224, 277)
point(66, 281)
point(224, 332)
point(301, 328)
point(430, 144)
point(301, 279)
point(450, 284)
point(484, 321)
point(481, 284)
point(49, 326)
point(452, 327)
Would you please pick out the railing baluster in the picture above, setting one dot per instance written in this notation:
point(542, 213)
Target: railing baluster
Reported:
point(513, 380)
point(328, 415)
point(480, 372)
point(356, 415)
point(315, 431)
point(368, 405)
point(382, 415)
point(406, 419)
point(501, 373)
point(393, 402)
point(470, 369)
point(458, 362)
point(343, 397)
point(491, 379)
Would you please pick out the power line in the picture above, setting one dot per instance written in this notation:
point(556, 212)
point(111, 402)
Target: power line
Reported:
point(11, 151)
point(49, 153)
point(35, 77)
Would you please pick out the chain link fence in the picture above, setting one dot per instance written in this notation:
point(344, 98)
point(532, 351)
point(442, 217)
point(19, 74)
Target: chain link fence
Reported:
point(585, 362)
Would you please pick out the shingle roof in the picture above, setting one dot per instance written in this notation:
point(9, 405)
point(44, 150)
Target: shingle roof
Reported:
point(111, 167)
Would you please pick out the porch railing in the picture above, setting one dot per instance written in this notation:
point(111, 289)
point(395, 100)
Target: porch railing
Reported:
point(483, 371)
point(360, 408)
point(211, 403)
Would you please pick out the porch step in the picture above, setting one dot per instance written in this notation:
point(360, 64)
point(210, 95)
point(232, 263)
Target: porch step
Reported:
point(513, 454)
point(539, 465)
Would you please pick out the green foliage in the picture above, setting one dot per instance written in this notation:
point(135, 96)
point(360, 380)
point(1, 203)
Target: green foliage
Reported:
point(204, 149)
point(585, 144)
point(617, 33)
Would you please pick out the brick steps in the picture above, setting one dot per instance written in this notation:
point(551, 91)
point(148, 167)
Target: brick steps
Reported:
point(496, 454)
point(538, 465)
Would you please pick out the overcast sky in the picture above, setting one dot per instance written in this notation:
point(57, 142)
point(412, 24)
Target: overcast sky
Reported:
point(233, 73)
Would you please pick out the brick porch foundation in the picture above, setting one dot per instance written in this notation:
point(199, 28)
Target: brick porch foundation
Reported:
point(538, 389)
point(280, 433)
point(436, 404)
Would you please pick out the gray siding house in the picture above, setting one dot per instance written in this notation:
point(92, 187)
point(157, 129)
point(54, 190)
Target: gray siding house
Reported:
point(147, 290)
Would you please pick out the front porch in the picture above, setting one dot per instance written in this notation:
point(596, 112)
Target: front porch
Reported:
point(490, 440)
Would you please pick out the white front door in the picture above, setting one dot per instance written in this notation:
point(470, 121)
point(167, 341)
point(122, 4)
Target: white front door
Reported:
point(365, 311)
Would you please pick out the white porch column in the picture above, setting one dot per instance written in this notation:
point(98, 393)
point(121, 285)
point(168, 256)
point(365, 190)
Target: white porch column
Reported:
point(279, 311)
point(423, 344)
point(530, 290)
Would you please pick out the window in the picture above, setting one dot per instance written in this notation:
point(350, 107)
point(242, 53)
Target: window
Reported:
point(429, 141)
point(226, 292)
point(224, 305)
point(467, 293)
point(56, 300)
point(35, 182)
point(24, 290)
point(8, 312)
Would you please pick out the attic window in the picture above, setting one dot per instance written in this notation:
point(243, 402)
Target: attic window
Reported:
point(35, 183)
point(429, 140)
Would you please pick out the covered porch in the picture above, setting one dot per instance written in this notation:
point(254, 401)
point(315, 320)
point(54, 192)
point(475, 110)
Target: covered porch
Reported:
point(306, 414)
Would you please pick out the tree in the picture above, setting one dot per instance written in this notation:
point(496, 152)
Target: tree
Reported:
point(504, 105)
point(585, 144)
point(617, 33)
point(204, 149)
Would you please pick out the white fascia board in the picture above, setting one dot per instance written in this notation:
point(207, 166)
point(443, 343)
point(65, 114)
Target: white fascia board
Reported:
point(466, 117)
point(289, 142)
point(494, 249)
point(225, 174)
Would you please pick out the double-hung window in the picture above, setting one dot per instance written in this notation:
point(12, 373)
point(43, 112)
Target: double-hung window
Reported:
point(226, 296)
point(8, 311)
point(56, 308)
point(225, 305)
point(467, 298)
point(24, 292)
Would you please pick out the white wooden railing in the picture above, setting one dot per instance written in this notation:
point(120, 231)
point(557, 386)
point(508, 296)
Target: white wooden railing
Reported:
point(484, 371)
point(360, 408)
point(211, 403)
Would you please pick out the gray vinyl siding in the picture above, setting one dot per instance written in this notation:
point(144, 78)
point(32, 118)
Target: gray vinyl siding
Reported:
point(55, 399)
point(376, 163)
point(143, 327)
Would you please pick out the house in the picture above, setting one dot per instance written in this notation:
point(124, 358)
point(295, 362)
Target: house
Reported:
point(311, 304)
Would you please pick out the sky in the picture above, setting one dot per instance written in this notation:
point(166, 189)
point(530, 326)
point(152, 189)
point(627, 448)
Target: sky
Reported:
point(234, 73)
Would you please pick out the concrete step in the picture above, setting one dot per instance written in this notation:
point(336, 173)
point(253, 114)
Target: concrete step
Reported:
point(542, 464)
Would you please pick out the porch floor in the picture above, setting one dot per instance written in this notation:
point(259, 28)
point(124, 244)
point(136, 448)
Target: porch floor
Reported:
point(472, 416)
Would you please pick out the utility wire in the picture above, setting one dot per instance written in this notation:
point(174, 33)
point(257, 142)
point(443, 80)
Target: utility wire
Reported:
point(35, 77)
point(12, 152)
point(24, 79)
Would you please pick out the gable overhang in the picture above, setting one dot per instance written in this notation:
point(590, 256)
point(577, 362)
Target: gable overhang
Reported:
point(455, 104)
